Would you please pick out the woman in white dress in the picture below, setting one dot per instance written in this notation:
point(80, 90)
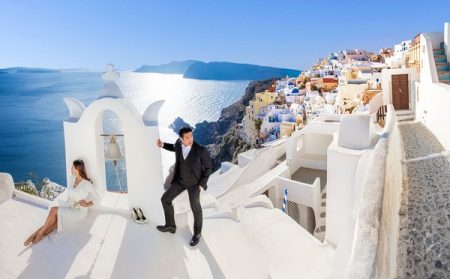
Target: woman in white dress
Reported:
point(70, 207)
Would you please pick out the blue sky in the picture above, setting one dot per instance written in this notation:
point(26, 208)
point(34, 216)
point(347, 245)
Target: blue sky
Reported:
point(292, 34)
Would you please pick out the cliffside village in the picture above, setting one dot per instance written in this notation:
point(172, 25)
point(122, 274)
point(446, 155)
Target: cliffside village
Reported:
point(344, 82)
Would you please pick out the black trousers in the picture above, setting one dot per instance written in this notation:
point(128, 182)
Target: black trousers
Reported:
point(194, 199)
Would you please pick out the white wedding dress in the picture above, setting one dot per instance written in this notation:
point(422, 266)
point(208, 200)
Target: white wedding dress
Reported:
point(69, 214)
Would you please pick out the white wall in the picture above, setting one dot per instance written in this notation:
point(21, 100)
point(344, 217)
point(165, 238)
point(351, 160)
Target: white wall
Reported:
point(358, 222)
point(376, 102)
point(317, 143)
point(428, 41)
point(348, 228)
point(351, 91)
point(342, 164)
point(307, 195)
point(6, 186)
point(434, 109)
point(390, 220)
point(433, 97)
point(296, 146)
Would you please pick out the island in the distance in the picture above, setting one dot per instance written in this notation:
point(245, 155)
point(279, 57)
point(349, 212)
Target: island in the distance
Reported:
point(28, 70)
point(219, 70)
point(16, 70)
point(174, 67)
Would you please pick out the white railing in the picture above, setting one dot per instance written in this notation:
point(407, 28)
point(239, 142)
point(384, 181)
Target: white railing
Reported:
point(263, 160)
point(32, 199)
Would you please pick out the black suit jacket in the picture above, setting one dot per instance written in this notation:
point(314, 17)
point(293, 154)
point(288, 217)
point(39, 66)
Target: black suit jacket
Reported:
point(201, 162)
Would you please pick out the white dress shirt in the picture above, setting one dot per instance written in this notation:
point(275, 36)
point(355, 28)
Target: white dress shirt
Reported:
point(185, 150)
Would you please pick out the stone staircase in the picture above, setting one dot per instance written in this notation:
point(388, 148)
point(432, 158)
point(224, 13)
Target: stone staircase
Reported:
point(319, 231)
point(442, 65)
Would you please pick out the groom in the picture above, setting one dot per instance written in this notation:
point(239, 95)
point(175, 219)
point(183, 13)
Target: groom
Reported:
point(191, 172)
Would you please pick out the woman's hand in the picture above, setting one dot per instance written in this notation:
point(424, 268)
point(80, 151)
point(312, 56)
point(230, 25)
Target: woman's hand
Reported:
point(85, 203)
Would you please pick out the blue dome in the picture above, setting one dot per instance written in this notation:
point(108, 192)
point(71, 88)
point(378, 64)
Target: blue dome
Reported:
point(295, 90)
point(290, 83)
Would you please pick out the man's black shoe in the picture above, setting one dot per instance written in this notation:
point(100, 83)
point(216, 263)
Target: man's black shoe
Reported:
point(166, 229)
point(195, 239)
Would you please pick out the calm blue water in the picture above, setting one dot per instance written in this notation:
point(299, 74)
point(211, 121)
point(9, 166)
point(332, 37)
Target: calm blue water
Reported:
point(32, 112)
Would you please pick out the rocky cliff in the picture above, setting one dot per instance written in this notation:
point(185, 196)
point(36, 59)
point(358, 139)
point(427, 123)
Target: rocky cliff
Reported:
point(174, 67)
point(221, 136)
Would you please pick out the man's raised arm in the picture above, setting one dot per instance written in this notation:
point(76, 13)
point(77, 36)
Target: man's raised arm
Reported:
point(165, 145)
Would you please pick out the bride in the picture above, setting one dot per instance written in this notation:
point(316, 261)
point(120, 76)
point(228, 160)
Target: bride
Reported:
point(70, 207)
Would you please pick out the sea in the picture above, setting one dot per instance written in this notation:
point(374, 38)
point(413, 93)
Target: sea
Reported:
point(32, 113)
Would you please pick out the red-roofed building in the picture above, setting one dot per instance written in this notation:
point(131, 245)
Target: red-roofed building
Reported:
point(327, 83)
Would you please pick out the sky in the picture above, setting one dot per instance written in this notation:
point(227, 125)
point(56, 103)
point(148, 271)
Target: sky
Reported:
point(290, 34)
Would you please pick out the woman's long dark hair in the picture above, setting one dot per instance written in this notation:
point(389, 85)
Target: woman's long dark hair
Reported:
point(79, 165)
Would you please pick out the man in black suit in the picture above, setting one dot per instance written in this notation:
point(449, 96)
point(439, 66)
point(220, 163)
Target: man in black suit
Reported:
point(191, 172)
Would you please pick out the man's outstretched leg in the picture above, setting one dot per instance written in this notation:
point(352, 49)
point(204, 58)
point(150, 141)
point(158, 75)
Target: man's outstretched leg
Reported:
point(194, 200)
point(169, 195)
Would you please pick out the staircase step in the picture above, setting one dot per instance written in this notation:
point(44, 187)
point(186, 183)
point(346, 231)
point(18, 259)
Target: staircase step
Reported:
point(443, 66)
point(320, 230)
point(438, 51)
point(403, 112)
point(444, 77)
point(440, 59)
point(319, 233)
point(405, 117)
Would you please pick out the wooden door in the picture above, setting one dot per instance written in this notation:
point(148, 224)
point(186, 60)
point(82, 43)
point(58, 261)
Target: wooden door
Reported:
point(400, 91)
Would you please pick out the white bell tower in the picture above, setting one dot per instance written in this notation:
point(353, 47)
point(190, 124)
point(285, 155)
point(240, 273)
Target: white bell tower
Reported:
point(83, 140)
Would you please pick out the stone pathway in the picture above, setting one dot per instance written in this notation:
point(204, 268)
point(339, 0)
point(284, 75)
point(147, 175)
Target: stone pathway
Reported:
point(424, 240)
point(418, 141)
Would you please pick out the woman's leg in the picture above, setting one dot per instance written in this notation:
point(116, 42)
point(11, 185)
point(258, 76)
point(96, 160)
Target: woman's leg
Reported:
point(31, 237)
point(48, 226)
point(51, 227)
point(51, 215)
